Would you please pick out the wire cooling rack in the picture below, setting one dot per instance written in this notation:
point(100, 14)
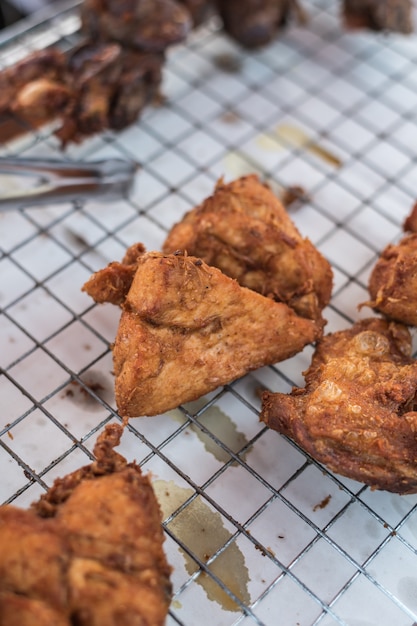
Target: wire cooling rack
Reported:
point(257, 533)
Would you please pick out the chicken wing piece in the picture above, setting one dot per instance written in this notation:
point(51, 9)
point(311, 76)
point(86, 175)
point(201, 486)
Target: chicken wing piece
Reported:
point(389, 15)
point(357, 413)
point(186, 328)
point(244, 230)
point(255, 23)
point(393, 282)
point(89, 552)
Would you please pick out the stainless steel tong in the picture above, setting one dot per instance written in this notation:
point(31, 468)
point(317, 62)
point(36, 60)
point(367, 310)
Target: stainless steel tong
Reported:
point(63, 181)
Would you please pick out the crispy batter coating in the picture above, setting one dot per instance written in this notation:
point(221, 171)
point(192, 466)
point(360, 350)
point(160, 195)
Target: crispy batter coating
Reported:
point(244, 230)
point(112, 283)
point(186, 328)
point(357, 413)
point(393, 282)
point(89, 552)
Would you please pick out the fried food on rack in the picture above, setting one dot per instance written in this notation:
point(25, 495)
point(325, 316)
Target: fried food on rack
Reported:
point(244, 230)
point(148, 25)
point(255, 23)
point(94, 87)
point(393, 282)
point(389, 15)
point(112, 84)
point(36, 83)
point(89, 552)
point(357, 413)
point(186, 328)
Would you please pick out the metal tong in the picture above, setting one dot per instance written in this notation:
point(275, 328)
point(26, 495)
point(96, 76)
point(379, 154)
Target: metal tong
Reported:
point(63, 181)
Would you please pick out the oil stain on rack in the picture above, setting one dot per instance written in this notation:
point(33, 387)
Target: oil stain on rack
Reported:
point(201, 529)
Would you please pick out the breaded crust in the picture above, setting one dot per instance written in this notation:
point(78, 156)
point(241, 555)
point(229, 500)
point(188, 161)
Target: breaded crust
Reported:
point(244, 230)
point(357, 413)
point(186, 328)
point(393, 282)
point(89, 552)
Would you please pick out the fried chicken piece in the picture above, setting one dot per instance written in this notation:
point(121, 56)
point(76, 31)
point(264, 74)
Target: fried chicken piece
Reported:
point(94, 87)
point(244, 230)
point(48, 65)
point(186, 329)
point(393, 282)
point(111, 84)
point(89, 552)
point(357, 413)
point(148, 25)
point(255, 23)
point(389, 15)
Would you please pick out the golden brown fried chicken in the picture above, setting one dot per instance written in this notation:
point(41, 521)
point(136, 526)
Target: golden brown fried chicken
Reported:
point(244, 230)
point(357, 413)
point(186, 328)
point(89, 552)
point(393, 282)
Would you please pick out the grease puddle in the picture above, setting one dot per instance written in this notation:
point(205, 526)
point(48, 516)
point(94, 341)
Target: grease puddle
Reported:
point(221, 425)
point(201, 529)
point(287, 135)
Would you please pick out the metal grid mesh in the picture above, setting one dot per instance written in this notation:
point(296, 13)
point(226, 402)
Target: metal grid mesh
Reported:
point(257, 532)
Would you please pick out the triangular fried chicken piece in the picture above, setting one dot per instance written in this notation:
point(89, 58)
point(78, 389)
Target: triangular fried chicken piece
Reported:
point(244, 230)
point(186, 329)
point(357, 413)
point(89, 552)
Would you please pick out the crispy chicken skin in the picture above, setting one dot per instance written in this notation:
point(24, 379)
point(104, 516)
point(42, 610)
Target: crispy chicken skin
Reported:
point(112, 283)
point(356, 414)
point(186, 328)
point(244, 230)
point(393, 282)
point(89, 552)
